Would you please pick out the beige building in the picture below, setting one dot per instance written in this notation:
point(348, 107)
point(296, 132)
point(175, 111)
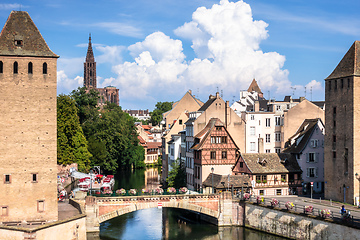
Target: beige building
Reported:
point(342, 135)
point(27, 123)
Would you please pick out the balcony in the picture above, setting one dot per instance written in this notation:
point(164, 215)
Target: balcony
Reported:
point(272, 183)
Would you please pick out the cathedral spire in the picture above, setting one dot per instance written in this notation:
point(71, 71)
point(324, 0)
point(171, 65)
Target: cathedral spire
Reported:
point(90, 54)
point(90, 67)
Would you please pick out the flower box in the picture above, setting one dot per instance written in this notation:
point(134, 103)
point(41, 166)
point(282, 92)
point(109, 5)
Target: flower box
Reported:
point(309, 209)
point(132, 192)
point(289, 205)
point(274, 202)
point(183, 190)
point(171, 190)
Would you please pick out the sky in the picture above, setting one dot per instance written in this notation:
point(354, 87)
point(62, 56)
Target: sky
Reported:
point(157, 50)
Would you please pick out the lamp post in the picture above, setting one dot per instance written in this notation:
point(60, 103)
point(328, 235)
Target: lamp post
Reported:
point(91, 172)
point(212, 179)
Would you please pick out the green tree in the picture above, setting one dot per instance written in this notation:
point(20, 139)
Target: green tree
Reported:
point(177, 175)
point(157, 114)
point(71, 142)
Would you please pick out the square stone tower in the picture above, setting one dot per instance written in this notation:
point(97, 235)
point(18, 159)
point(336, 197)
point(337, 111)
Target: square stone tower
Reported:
point(342, 128)
point(28, 160)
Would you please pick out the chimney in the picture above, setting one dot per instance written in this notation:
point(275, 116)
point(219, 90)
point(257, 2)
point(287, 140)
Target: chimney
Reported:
point(217, 94)
point(256, 106)
point(227, 112)
point(190, 91)
point(302, 99)
point(260, 145)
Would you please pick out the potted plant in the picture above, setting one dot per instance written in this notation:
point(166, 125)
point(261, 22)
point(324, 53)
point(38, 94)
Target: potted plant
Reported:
point(247, 196)
point(325, 213)
point(120, 191)
point(264, 181)
point(145, 191)
point(309, 209)
point(274, 202)
point(171, 190)
point(108, 192)
point(183, 190)
point(289, 205)
point(259, 199)
point(283, 180)
point(159, 191)
point(258, 181)
point(132, 192)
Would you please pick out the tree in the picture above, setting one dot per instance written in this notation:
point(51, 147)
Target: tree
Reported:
point(177, 175)
point(71, 142)
point(157, 114)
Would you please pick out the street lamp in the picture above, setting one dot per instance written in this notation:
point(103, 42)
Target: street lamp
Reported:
point(212, 179)
point(91, 172)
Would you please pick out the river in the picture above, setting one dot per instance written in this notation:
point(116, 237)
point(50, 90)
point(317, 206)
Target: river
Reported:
point(166, 223)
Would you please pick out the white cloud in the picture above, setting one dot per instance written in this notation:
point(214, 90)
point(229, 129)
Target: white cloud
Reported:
point(119, 28)
point(226, 41)
point(71, 66)
point(11, 6)
point(66, 84)
point(314, 85)
point(110, 54)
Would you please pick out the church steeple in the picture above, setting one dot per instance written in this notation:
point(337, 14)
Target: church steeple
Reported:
point(90, 67)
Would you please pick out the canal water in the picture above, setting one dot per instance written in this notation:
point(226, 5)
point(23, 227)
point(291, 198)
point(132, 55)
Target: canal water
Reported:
point(166, 223)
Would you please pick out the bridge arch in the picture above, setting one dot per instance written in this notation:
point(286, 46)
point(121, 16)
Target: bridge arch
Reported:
point(111, 207)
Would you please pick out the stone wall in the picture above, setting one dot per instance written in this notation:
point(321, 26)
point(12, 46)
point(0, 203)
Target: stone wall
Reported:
point(295, 226)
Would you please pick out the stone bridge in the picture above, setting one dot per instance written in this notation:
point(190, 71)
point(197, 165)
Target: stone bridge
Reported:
point(215, 208)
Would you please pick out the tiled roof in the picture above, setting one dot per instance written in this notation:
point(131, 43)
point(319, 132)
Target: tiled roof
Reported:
point(254, 87)
point(207, 104)
point(235, 180)
point(304, 134)
point(141, 140)
point(349, 64)
point(153, 144)
point(204, 133)
point(271, 163)
point(20, 37)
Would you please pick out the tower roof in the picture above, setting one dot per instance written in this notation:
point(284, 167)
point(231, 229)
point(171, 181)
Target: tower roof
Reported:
point(20, 37)
point(90, 54)
point(349, 64)
point(254, 87)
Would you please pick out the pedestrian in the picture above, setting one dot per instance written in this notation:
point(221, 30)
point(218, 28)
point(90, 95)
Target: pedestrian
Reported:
point(343, 210)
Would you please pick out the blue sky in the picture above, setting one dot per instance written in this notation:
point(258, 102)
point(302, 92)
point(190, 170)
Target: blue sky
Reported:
point(157, 50)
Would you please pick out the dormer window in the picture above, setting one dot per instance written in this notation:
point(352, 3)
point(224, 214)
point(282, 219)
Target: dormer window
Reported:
point(18, 43)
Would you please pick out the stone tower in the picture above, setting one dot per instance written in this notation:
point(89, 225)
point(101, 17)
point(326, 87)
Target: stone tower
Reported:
point(342, 128)
point(90, 68)
point(28, 135)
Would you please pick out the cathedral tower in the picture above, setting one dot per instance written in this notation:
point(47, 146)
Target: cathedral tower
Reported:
point(28, 134)
point(90, 68)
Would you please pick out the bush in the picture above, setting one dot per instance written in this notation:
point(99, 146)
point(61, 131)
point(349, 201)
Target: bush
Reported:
point(289, 205)
point(274, 202)
point(120, 191)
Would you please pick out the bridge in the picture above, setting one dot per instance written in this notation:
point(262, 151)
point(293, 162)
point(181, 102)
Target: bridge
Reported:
point(214, 208)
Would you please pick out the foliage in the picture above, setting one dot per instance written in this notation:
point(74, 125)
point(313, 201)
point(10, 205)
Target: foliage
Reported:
point(171, 190)
point(160, 108)
point(145, 191)
point(71, 143)
point(325, 213)
point(177, 175)
point(274, 202)
point(309, 209)
point(289, 205)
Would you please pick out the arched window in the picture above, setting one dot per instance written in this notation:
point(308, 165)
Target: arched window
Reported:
point(45, 68)
point(30, 68)
point(15, 67)
point(1, 67)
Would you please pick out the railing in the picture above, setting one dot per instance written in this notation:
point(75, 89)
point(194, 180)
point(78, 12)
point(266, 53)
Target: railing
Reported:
point(301, 208)
point(138, 192)
point(277, 183)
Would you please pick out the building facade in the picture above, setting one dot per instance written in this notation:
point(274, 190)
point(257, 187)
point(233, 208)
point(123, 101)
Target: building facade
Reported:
point(28, 150)
point(342, 135)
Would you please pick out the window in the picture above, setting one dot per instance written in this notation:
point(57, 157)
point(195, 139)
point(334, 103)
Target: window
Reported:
point(180, 122)
point(252, 146)
point(329, 85)
point(288, 106)
point(267, 138)
point(283, 177)
point(213, 140)
point(241, 164)
point(261, 192)
point(348, 82)
point(34, 177)
point(45, 68)
point(213, 155)
point(346, 161)
point(224, 139)
point(311, 172)
point(277, 150)
point(267, 122)
point(311, 157)
point(30, 68)
point(277, 137)
point(1, 67)
point(267, 150)
point(252, 117)
point(278, 107)
point(218, 139)
point(218, 128)
point(277, 121)
point(16, 66)
point(314, 143)
point(18, 43)
point(252, 131)
point(41, 205)
point(278, 191)
point(335, 85)
point(7, 178)
point(334, 111)
point(224, 155)
point(334, 154)
point(4, 211)
point(342, 83)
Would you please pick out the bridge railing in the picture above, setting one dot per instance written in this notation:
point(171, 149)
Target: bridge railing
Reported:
point(307, 209)
point(140, 192)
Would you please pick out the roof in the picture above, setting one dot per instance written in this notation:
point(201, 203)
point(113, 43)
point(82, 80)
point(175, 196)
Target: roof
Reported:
point(20, 37)
point(207, 104)
point(302, 136)
point(90, 54)
point(320, 104)
point(153, 144)
point(254, 87)
point(141, 140)
point(235, 180)
point(269, 163)
point(349, 64)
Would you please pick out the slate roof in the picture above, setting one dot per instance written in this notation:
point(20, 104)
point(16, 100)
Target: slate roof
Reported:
point(254, 87)
point(349, 64)
point(274, 163)
point(90, 54)
point(19, 28)
point(207, 104)
point(235, 180)
point(304, 134)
